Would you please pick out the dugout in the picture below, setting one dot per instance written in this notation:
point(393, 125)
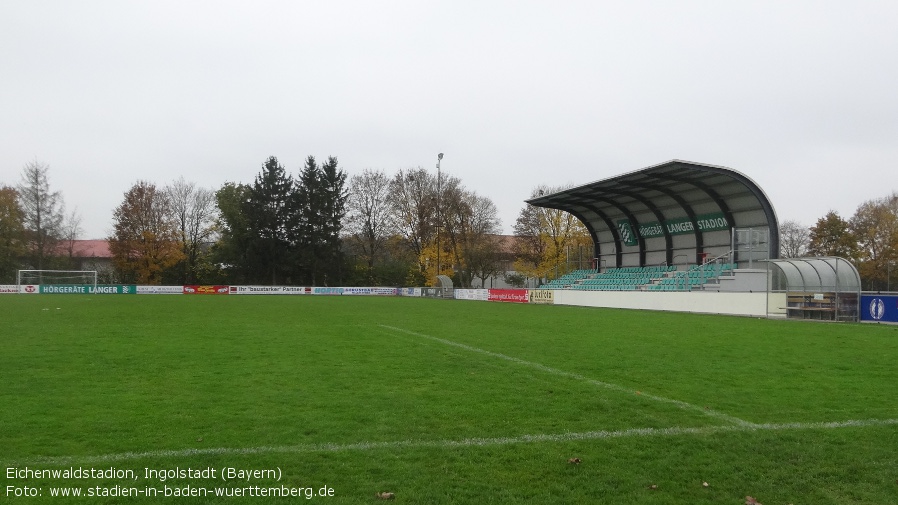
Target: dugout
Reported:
point(675, 213)
point(827, 288)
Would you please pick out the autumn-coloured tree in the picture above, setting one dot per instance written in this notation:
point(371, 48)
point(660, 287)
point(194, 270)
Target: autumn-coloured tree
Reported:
point(832, 236)
point(544, 237)
point(12, 234)
point(445, 226)
point(875, 228)
point(145, 239)
point(470, 223)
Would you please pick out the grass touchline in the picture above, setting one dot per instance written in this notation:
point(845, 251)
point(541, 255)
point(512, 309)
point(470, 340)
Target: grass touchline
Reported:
point(595, 382)
point(469, 442)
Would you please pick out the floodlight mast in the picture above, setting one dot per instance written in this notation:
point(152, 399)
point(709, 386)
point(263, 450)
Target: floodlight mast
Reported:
point(439, 210)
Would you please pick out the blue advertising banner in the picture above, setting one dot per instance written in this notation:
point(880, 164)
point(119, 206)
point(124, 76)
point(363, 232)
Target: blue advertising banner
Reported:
point(879, 308)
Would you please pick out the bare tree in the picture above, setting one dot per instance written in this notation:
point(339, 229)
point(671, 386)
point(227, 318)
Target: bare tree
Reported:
point(194, 211)
point(530, 248)
point(483, 252)
point(454, 216)
point(43, 212)
point(794, 239)
point(69, 233)
point(369, 220)
point(413, 203)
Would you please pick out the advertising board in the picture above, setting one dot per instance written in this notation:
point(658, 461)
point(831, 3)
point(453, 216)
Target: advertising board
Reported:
point(194, 289)
point(370, 291)
point(160, 290)
point(472, 294)
point(270, 290)
point(327, 291)
point(88, 289)
point(508, 295)
point(545, 296)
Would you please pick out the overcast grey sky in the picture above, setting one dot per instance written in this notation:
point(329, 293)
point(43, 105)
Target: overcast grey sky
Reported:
point(801, 96)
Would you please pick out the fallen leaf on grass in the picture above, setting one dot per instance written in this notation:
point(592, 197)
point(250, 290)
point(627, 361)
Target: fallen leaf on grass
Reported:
point(751, 501)
point(705, 484)
point(654, 487)
point(574, 461)
point(386, 496)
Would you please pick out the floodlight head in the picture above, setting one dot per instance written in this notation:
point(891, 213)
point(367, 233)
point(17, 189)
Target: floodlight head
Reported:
point(439, 156)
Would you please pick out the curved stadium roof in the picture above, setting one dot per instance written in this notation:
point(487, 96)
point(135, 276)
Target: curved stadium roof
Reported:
point(672, 213)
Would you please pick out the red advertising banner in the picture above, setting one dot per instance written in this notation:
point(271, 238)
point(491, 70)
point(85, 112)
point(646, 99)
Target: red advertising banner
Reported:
point(508, 295)
point(206, 290)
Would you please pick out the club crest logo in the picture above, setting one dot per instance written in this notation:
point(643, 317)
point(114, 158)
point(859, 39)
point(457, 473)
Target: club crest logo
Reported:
point(877, 309)
point(627, 235)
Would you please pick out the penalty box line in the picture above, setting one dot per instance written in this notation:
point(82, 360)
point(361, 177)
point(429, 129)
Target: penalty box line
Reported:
point(455, 443)
point(572, 375)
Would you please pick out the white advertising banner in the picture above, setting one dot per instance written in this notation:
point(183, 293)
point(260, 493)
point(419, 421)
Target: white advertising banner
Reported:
point(370, 291)
point(160, 290)
point(9, 288)
point(31, 289)
point(472, 294)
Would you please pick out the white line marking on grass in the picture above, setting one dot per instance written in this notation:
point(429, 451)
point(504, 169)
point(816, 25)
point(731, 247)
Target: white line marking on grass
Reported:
point(594, 382)
point(456, 443)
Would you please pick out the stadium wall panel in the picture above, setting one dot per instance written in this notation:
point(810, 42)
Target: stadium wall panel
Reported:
point(739, 304)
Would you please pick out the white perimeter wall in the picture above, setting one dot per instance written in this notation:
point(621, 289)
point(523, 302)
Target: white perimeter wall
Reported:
point(700, 302)
point(706, 302)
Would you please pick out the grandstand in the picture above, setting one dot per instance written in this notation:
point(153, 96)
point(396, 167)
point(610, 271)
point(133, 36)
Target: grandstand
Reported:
point(687, 227)
point(678, 213)
point(677, 226)
point(656, 278)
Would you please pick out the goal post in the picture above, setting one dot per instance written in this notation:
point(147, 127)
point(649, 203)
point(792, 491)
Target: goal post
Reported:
point(57, 277)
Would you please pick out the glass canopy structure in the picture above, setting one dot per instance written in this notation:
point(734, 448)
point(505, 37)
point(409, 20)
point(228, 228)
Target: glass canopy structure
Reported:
point(818, 287)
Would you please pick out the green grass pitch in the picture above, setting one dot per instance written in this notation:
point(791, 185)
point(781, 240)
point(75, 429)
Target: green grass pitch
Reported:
point(438, 402)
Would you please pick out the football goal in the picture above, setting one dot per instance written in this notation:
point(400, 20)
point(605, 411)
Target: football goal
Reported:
point(57, 277)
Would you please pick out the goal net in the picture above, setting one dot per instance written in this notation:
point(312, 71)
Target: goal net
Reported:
point(57, 277)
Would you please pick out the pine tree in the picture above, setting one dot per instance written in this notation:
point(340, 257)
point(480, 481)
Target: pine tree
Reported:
point(332, 185)
point(308, 221)
point(268, 213)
